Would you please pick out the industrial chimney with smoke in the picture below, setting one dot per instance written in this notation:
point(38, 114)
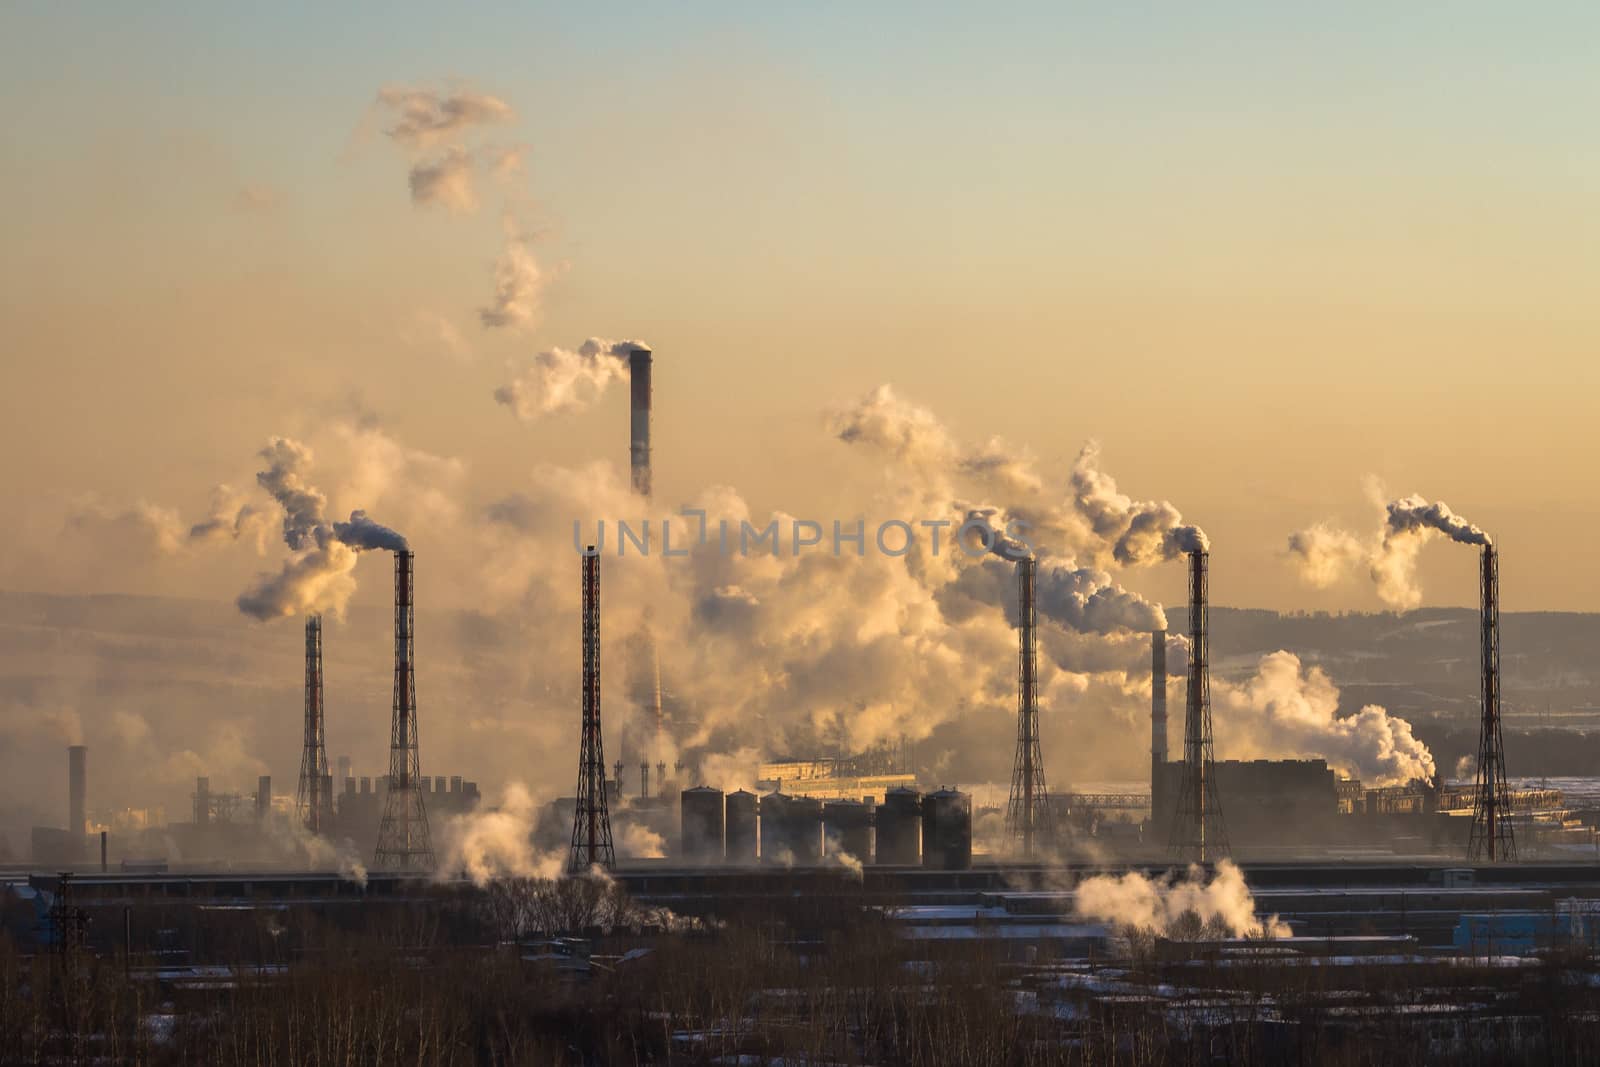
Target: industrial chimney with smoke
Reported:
point(640, 407)
point(403, 840)
point(1491, 838)
point(1197, 829)
point(639, 358)
point(1028, 814)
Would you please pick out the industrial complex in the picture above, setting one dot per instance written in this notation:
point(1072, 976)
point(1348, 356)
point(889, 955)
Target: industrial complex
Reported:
point(1143, 918)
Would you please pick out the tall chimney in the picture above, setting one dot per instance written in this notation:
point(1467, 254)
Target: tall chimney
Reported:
point(1158, 705)
point(202, 801)
point(313, 801)
point(591, 817)
point(77, 793)
point(639, 359)
point(1491, 837)
point(1197, 828)
point(1028, 817)
point(404, 842)
point(263, 796)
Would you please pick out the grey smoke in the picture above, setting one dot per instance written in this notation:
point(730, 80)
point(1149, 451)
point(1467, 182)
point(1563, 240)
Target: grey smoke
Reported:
point(361, 533)
point(446, 180)
point(1412, 514)
point(319, 576)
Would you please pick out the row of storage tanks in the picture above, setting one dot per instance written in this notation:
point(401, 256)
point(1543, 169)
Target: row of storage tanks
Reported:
point(934, 831)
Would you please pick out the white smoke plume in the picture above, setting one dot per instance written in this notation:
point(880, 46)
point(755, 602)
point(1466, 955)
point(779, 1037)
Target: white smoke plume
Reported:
point(519, 283)
point(425, 118)
point(563, 380)
point(638, 841)
point(1078, 598)
point(913, 436)
point(318, 577)
point(1136, 531)
point(730, 771)
point(1188, 906)
point(1286, 710)
point(433, 127)
point(1324, 554)
point(1092, 520)
point(497, 842)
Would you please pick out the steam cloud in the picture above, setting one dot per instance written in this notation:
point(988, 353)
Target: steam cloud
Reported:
point(518, 284)
point(1285, 710)
point(1138, 531)
point(1324, 555)
point(431, 127)
point(497, 842)
point(318, 577)
point(1190, 906)
point(446, 181)
point(563, 380)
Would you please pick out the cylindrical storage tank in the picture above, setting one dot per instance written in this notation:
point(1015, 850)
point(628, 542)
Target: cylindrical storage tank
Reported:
point(847, 829)
point(947, 830)
point(899, 820)
point(791, 830)
point(701, 811)
point(805, 830)
point(775, 844)
point(742, 827)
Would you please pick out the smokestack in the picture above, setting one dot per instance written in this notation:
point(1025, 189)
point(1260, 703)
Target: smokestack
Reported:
point(202, 801)
point(404, 842)
point(591, 817)
point(1491, 837)
point(1158, 704)
point(639, 449)
point(312, 800)
point(344, 768)
point(1028, 813)
point(263, 796)
point(77, 794)
point(1197, 830)
point(644, 779)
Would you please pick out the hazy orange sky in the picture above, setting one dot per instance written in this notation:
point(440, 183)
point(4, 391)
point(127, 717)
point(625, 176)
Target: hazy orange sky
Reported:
point(1258, 253)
